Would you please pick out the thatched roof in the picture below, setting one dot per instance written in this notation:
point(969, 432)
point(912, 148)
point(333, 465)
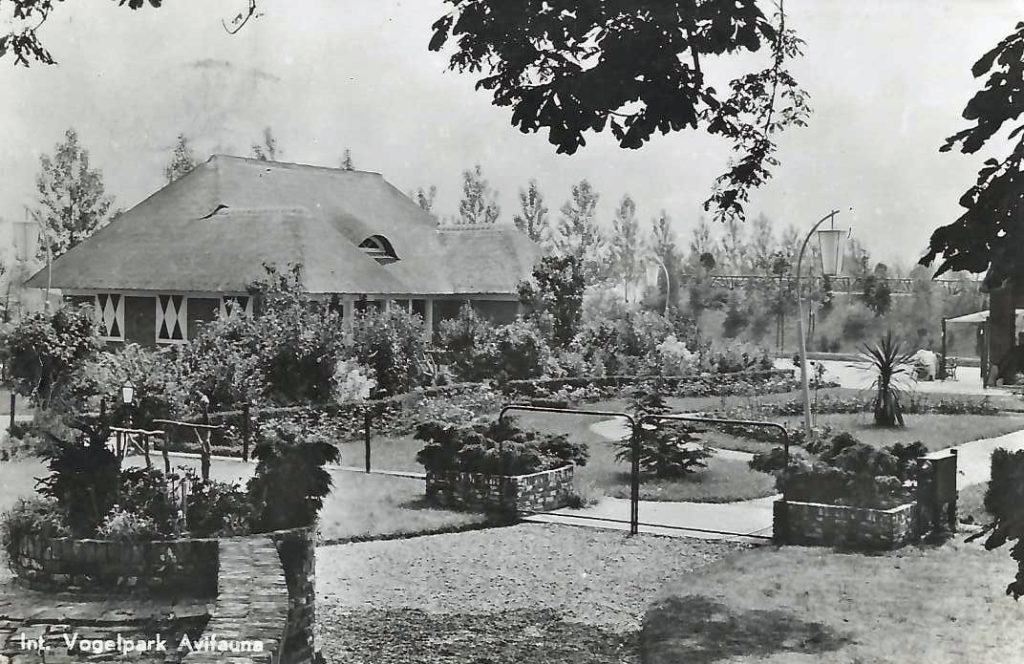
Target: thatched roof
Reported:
point(213, 229)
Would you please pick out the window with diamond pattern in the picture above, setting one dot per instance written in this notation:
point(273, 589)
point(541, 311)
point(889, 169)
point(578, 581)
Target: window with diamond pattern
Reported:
point(110, 315)
point(171, 318)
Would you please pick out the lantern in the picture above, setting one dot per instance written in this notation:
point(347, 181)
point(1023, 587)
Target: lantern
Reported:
point(833, 248)
point(128, 392)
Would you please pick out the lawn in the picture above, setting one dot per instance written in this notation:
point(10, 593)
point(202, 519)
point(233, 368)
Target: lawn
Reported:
point(360, 506)
point(725, 480)
point(937, 432)
point(794, 604)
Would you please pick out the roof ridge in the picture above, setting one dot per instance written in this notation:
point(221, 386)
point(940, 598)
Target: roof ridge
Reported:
point(288, 164)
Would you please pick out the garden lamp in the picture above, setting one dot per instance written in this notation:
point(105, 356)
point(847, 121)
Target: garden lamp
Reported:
point(830, 241)
point(128, 392)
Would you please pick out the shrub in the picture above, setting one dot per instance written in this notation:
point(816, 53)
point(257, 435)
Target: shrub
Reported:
point(127, 526)
point(666, 449)
point(34, 516)
point(42, 350)
point(1005, 493)
point(83, 480)
point(290, 482)
point(556, 294)
point(159, 394)
point(392, 344)
point(520, 350)
point(352, 381)
point(217, 509)
point(734, 357)
point(852, 473)
point(495, 448)
point(226, 362)
point(890, 363)
point(467, 344)
point(143, 492)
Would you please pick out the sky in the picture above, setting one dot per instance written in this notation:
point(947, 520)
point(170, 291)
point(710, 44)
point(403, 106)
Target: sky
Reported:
point(888, 80)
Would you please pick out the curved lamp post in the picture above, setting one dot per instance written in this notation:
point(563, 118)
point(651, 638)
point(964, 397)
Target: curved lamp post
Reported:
point(832, 248)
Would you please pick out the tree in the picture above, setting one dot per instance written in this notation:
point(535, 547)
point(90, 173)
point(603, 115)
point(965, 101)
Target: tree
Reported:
point(425, 199)
point(556, 294)
point(663, 246)
point(701, 240)
point(533, 217)
point(479, 204)
point(625, 243)
point(634, 66)
point(72, 199)
point(183, 160)
point(989, 234)
point(734, 247)
point(268, 150)
point(577, 232)
point(346, 161)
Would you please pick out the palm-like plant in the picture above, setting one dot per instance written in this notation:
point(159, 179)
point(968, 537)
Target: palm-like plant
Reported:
point(890, 362)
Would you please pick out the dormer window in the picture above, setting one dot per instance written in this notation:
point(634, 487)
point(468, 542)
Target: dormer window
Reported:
point(379, 248)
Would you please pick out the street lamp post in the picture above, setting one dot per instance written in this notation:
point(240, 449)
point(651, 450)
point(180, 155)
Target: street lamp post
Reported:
point(831, 263)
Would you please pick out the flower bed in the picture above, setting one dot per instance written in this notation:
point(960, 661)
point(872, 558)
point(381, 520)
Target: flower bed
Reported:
point(537, 492)
point(843, 526)
point(690, 385)
point(181, 566)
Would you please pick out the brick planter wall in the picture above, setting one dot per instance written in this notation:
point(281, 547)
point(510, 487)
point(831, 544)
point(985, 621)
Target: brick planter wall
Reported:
point(183, 567)
point(546, 490)
point(264, 584)
point(816, 524)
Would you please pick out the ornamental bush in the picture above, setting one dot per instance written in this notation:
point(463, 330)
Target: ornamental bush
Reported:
point(1005, 493)
point(392, 344)
point(43, 350)
point(665, 449)
point(37, 516)
point(498, 447)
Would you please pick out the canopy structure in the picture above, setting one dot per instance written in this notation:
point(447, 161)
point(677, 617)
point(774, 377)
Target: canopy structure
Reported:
point(982, 317)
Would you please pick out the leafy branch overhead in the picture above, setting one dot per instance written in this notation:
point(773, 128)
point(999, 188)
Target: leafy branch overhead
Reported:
point(990, 232)
point(634, 67)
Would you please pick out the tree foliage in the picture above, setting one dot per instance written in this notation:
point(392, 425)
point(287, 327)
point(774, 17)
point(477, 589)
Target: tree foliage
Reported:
point(267, 149)
point(577, 232)
point(479, 204)
point(990, 231)
point(634, 67)
point(183, 159)
point(532, 218)
point(556, 294)
point(72, 200)
point(625, 244)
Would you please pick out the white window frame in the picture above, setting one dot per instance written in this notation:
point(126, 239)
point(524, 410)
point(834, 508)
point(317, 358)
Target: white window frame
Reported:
point(118, 315)
point(182, 318)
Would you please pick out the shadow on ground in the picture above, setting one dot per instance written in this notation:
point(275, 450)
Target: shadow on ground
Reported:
point(407, 636)
point(698, 630)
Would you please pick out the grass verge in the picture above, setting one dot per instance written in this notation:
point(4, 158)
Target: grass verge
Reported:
point(794, 604)
point(359, 507)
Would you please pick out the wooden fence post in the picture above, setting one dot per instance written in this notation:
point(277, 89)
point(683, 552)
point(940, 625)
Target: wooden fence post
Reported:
point(14, 401)
point(367, 421)
point(245, 431)
point(205, 444)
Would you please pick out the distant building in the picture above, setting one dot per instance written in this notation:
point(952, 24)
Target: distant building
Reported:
point(189, 251)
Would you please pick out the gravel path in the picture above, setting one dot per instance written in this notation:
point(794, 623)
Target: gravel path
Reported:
point(526, 593)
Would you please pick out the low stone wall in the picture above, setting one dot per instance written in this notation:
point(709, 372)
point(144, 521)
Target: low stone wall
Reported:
point(546, 490)
point(817, 524)
point(264, 586)
point(186, 567)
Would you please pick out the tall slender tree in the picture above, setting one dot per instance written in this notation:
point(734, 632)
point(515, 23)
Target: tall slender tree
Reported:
point(183, 159)
point(346, 161)
point(268, 150)
point(425, 199)
point(72, 200)
point(625, 244)
point(532, 218)
point(663, 246)
point(479, 204)
point(578, 233)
